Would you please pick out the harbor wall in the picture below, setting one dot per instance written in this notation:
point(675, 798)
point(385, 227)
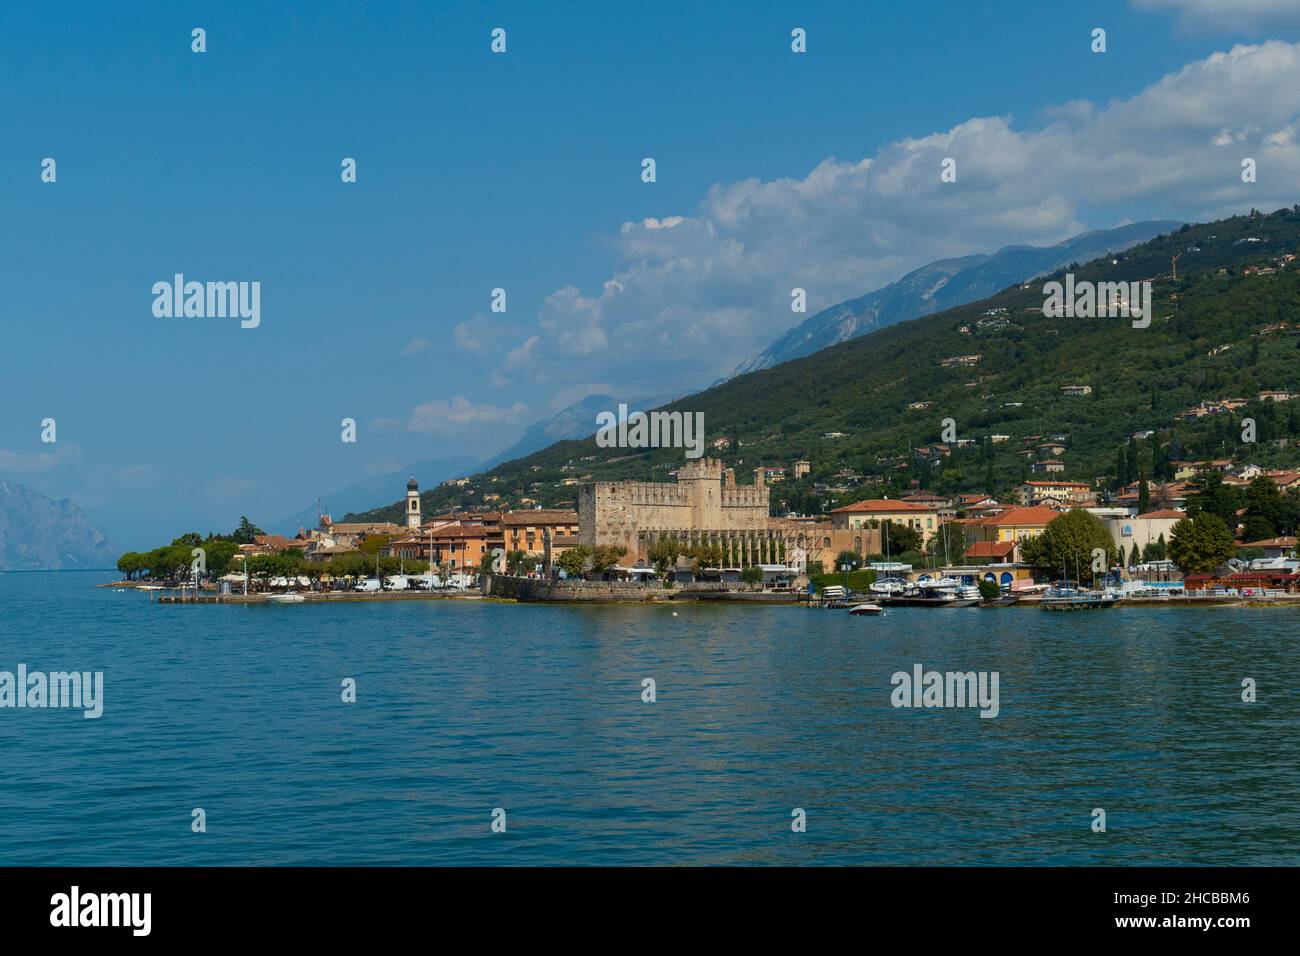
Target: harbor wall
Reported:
point(533, 589)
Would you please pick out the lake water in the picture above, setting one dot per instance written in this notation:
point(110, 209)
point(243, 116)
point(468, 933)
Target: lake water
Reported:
point(463, 707)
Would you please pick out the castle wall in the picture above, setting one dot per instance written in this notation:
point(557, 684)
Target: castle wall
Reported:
point(703, 499)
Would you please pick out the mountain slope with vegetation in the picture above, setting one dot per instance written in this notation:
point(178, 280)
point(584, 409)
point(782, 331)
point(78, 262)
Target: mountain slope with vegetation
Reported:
point(943, 285)
point(1228, 327)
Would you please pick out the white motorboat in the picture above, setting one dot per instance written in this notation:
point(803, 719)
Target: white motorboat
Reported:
point(867, 609)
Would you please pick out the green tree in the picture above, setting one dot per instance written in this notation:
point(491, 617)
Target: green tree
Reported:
point(1269, 512)
point(664, 553)
point(605, 556)
point(851, 558)
point(245, 532)
point(1200, 544)
point(1068, 542)
point(900, 537)
point(573, 561)
point(752, 575)
point(1218, 499)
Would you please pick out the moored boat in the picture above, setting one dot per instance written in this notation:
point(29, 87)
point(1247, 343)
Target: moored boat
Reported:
point(867, 609)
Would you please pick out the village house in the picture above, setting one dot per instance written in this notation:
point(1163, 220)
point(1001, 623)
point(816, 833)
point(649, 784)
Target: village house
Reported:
point(925, 518)
point(1047, 467)
point(977, 505)
point(1033, 492)
point(1129, 531)
point(1009, 530)
point(527, 531)
point(1280, 547)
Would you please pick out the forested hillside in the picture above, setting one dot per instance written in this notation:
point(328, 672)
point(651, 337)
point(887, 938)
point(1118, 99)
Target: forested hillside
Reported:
point(1226, 328)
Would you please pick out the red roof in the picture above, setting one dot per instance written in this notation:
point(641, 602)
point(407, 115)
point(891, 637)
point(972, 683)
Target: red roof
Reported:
point(1286, 541)
point(883, 505)
point(1164, 513)
point(990, 549)
point(1037, 515)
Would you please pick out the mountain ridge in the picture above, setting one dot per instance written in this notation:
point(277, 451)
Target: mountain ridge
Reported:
point(38, 533)
point(862, 407)
point(944, 284)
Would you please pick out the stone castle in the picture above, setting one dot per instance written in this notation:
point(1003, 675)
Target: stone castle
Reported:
point(705, 505)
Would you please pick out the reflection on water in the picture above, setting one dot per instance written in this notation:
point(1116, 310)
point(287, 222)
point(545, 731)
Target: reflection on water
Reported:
point(467, 706)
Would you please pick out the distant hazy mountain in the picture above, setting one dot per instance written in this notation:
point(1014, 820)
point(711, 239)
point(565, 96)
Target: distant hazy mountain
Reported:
point(943, 285)
point(576, 421)
point(380, 490)
point(39, 533)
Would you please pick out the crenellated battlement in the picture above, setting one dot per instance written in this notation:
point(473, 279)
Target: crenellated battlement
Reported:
point(705, 497)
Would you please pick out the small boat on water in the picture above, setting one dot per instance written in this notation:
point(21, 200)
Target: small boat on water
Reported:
point(945, 592)
point(867, 609)
point(294, 598)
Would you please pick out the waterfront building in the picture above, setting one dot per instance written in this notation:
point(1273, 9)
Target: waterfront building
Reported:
point(1129, 531)
point(1013, 526)
point(704, 505)
point(527, 531)
point(923, 516)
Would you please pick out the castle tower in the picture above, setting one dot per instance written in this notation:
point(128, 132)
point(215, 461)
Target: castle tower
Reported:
point(413, 503)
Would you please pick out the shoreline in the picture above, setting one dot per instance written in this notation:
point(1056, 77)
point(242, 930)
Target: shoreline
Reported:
point(645, 597)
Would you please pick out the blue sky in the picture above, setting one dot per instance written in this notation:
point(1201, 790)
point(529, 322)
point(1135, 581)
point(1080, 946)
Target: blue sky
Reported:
point(522, 171)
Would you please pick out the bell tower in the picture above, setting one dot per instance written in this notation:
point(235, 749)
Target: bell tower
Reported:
point(413, 503)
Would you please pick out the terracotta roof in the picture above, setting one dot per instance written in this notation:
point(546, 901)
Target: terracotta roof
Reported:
point(1164, 513)
point(882, 505)
point(456, 531)
point(1036, 515)
point(540, 516)
point(1059, 484)
point(990, 549)
point(358, 527)
point(1286, 541)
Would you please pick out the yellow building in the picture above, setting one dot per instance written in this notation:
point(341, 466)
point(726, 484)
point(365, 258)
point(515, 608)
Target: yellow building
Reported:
point(1032, 492)
point(998, 537)
point(924, 518)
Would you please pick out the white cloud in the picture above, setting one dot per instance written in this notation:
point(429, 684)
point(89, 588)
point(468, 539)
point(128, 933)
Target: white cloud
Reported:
point(1228, 14)
point(695, 294)
point(444, 416)
point(415, 347)
point(21, 463)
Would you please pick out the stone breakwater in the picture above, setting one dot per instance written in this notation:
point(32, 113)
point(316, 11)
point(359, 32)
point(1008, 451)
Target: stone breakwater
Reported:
point(535, 590)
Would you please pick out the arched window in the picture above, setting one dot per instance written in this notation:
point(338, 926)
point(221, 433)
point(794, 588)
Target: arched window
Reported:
point(857, 545)
point(826, 542)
